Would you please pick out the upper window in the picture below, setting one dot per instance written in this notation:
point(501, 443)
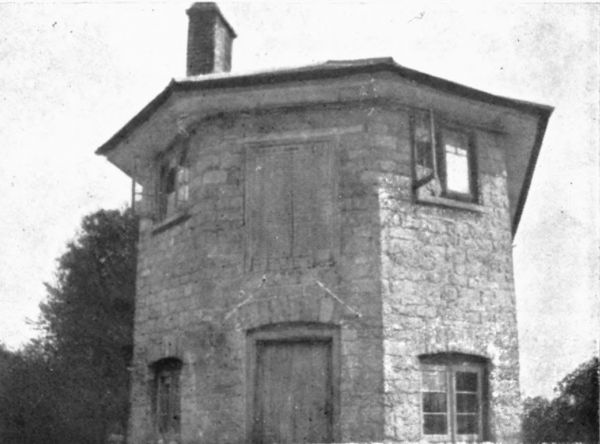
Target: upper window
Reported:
point(173, 182)
point(444, 159)
point(453, 397)
point(167, 403)
point(289, 206)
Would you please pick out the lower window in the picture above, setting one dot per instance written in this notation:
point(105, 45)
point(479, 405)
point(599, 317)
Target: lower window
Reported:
point(453, 397)
point(167, 404)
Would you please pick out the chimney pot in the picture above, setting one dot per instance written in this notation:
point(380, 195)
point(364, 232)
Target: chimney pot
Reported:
point(210, 38)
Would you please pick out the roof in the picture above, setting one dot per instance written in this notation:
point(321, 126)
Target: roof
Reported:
point(329, 69)
point(337, 69)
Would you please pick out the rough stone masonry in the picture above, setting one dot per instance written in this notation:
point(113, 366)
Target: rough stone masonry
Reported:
point(292, 229)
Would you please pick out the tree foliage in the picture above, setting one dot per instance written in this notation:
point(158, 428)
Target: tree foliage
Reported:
point(28, 403)
point(72, 384)
point(572, 416)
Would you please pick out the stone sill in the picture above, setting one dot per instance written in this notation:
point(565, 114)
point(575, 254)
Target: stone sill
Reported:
point(449, 203)
point(169, 222)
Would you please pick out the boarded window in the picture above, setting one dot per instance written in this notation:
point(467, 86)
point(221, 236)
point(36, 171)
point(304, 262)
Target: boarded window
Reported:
point(289, 205)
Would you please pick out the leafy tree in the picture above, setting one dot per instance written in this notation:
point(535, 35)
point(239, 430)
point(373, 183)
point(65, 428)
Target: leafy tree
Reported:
point(27, 397)
point(572, 416)
point(88, 320)
point(71, 386)
point(579, 402)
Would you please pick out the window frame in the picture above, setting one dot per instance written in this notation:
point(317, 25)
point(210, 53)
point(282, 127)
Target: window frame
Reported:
point(174, 160)
point(473, 194)
point(171, 368)
point(437, 126)
point(451, 364)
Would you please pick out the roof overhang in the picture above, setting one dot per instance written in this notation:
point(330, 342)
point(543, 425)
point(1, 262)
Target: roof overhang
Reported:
point(186, 102)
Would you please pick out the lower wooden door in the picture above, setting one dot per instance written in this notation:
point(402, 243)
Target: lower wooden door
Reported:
point(293, 392)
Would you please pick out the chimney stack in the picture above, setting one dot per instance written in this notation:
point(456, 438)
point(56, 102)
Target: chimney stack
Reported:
point(210, 38)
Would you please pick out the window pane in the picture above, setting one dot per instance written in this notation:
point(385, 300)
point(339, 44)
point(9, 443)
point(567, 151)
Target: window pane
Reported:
point(163, 402)
point(167, 414)
point(424, 154)
point(182, 184)
point(170, 180)
point(457, 169)
point(455, 138)
point(174, 403)
point(466, 382)
point(423, 151)
point(466, 403)
point(182, 194)
point(139, 192)
point(434, 402)
point(435, 424)
point(434, 381)
point(466, 424)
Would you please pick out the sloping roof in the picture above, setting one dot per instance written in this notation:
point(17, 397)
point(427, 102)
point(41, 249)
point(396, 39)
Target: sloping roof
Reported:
point(333, 68)
point(343, 68)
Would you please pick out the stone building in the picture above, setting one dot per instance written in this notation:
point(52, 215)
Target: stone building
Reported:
point(325, 252)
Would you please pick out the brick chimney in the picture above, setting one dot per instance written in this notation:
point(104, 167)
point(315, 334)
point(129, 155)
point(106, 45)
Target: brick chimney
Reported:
point(210, 38)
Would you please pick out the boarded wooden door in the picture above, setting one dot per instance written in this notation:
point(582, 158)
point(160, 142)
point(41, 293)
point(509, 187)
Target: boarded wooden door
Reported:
point(293, 392)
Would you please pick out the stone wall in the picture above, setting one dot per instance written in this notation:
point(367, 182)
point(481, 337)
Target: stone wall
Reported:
point(197, 299)
point(405, 280)
point(447, 284)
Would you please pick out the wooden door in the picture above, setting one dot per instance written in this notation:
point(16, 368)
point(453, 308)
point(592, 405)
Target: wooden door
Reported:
point(293, 392)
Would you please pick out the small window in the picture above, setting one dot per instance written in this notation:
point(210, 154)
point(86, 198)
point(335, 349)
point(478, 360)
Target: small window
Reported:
point(173, 183)
point(453, 397)
point(167, 403)
point(444, 159)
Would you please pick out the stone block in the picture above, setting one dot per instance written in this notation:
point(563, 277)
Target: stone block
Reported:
point(214, 177)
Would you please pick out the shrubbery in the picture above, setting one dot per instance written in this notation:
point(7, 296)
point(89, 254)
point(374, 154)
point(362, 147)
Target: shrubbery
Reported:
point(72, 384)
point(572, 416)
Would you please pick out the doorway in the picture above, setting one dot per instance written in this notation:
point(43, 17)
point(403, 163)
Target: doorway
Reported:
point(293, 387)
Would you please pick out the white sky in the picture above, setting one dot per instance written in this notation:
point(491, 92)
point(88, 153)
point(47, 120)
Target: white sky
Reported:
point(72, 74)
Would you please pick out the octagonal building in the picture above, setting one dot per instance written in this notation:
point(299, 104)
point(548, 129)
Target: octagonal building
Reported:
point(325, 252)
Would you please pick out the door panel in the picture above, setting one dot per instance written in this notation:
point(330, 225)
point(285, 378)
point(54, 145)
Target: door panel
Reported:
point(293, 392)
